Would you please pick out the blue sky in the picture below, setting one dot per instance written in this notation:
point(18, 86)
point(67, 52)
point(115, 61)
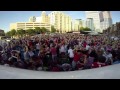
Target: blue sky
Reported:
point(7, 17)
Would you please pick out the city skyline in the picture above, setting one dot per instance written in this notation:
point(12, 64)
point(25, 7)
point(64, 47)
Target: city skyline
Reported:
point(8, 17)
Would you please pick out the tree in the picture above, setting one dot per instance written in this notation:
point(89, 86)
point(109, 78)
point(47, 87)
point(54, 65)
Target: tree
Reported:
point(53, 30)
point(81, 28)
point(44, 30)
point(20, 32)
point(87, 29)
point(8, 34)
point(30, 32)
point(37, 30)
point(13, 32)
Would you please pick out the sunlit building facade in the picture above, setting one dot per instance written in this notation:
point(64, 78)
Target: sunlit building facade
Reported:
point(61, 21)
point(107, 20)
point(76, 24)
point(29, 25)
point(32, 19)
point(96, 19)
point(89, 23)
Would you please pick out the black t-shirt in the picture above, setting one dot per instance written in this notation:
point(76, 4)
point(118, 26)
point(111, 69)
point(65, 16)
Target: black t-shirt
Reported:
point(94, 54)
point(13, 59)
point(118, 53)
point(101, 59)
point(1, 48)
point(113, 53)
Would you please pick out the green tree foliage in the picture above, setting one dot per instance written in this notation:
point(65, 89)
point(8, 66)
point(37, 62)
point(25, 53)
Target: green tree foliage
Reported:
point(85, 29)
point(37, 30)
point(81, 28)
point(44, 30)
point(8, 33)
point(53, 30)
point(30, 32)
point(20, 32)
point(13, 32)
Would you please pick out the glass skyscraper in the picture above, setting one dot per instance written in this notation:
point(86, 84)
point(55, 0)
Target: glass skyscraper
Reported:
point(107, 22)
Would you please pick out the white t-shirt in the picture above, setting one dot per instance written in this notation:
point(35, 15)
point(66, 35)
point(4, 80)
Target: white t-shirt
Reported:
point(26, 56)
point(62, 49)
point(38, 46)
point(108, 56)
point(80, 43)
point(87, 47)
point(70, 52)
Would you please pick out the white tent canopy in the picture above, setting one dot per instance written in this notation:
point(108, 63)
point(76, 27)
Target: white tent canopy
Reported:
point(93, 33)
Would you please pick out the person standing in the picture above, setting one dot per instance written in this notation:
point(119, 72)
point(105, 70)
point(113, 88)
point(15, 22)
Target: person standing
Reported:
point(53, 51)
point(71, 54)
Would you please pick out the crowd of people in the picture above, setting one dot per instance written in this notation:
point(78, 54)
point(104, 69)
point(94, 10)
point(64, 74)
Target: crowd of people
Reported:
point(60, 52)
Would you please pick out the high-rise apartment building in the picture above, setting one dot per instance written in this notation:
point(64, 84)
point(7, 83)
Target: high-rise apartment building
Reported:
point(60, 21)
point(96, 19)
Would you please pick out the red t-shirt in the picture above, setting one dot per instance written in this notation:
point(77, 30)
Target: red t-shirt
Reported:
point(84, 44)
point(53, 51)
point(30, 43)
point(77, 57)
point(95, 65)
point(55, 69)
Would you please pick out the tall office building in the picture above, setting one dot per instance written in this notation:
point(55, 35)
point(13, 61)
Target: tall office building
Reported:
point(32, 19)
point(89, 23)
point(60, 21)
point(107, 20)
point(96, 19)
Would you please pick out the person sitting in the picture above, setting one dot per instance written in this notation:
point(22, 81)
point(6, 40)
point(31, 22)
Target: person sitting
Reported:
point(96, 63)
point(66, 67)
point(109, 59)
point(19, 63)
point(88, 61)
point(13, 59)
point(102, 62)
point(76, 59)
point(3, 57)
